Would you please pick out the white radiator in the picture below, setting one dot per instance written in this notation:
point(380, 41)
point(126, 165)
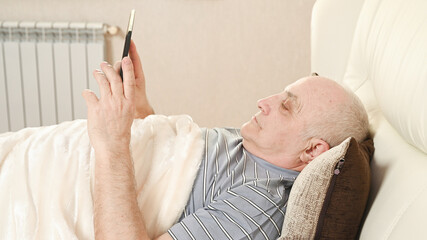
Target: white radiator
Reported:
point(44, 68)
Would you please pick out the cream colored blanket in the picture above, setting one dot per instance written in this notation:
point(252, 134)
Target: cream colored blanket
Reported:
point(47, 176)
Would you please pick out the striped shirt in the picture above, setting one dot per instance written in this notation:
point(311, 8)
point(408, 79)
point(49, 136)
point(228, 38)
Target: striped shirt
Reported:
point(236, 195)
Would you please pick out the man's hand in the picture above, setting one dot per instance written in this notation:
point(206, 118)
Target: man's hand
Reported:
point(142, 106)
point(110, 117)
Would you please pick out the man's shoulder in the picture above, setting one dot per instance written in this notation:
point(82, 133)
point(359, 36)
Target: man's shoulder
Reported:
point(222, 138)
point(224, 131)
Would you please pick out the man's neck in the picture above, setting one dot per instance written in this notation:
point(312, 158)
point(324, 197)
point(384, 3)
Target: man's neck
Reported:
point(283, 161)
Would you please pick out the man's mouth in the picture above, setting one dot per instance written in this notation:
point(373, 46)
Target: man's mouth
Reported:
point(256, 121)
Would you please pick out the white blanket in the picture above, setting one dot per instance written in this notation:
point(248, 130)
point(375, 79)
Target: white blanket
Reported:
point(47, 176)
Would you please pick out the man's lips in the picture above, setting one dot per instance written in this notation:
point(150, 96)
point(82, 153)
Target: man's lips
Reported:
point(256, 121)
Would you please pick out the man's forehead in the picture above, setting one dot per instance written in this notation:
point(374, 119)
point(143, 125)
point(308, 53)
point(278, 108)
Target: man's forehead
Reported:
point(288, 89)
point(294, 89)
point(290, 93)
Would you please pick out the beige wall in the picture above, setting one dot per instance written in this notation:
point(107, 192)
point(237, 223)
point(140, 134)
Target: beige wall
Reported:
point(211, 59)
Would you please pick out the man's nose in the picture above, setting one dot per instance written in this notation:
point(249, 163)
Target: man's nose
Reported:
point(264, 105)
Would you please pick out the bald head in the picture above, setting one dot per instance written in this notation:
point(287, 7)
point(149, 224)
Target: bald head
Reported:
point(339, 113)
point(322, 92)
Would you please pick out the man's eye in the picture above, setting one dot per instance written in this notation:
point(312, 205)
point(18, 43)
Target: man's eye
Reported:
point(284, 106)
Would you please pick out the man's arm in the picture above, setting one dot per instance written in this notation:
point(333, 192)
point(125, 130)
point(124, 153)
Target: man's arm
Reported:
point(110, 118)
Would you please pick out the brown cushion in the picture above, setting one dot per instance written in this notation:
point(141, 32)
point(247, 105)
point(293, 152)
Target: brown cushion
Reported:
point(324, 205)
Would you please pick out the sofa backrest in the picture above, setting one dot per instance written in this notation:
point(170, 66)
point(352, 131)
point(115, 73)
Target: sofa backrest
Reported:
point(378, 48)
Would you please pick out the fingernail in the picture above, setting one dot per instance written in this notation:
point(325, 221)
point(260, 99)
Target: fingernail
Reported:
point(126, 60)
point(99, 71)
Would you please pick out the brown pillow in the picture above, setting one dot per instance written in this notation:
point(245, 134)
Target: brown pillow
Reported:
point(329, 196)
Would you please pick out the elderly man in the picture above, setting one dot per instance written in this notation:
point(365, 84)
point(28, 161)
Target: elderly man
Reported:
point(244, 181)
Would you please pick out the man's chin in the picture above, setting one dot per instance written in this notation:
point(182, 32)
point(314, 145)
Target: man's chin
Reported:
point(248, 133)
point(244, 129)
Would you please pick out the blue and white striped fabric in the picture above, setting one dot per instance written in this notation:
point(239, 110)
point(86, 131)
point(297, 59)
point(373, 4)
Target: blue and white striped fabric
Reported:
point(236, 195)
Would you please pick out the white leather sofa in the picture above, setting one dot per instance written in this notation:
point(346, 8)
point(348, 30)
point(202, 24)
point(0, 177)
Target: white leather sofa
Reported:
point(378, 48)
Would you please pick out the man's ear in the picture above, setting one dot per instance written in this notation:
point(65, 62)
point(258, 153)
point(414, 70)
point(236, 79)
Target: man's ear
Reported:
point(314, 148)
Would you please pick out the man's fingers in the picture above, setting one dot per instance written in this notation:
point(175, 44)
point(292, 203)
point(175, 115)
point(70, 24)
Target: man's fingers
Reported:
point(104, 85)
point(134, 56)
point(128, 78)
point(90, 97)
point(114, 79)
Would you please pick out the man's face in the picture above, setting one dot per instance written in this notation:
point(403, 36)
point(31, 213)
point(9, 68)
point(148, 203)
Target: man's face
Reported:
point(276, 132)
point(276, 129)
